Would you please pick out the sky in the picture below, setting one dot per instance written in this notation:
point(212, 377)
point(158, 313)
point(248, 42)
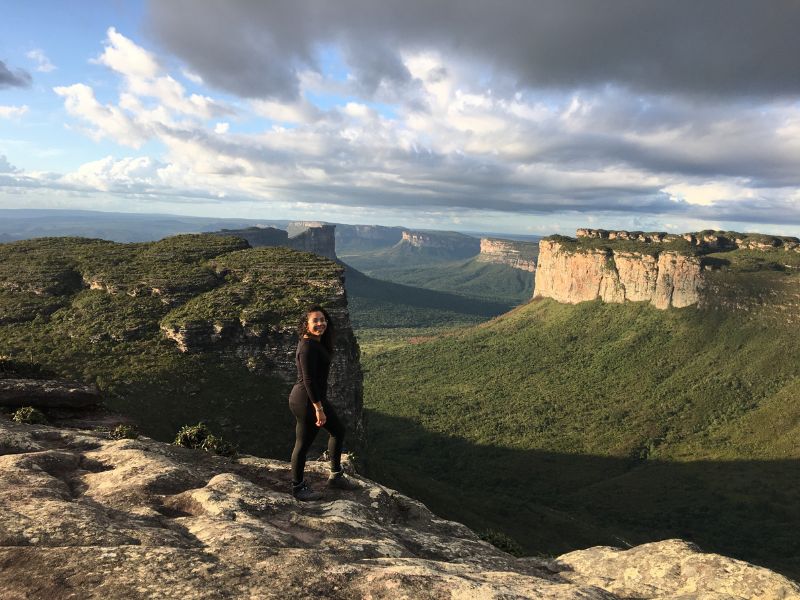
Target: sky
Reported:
point(524, 116)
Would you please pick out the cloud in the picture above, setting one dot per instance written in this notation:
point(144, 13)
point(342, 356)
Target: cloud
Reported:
point(18, 78)
point(9, 112)
point(107, 120)
point(5, 166)
point(450, 142)
point(144, 78)
point(43, 64)
point(714, 47)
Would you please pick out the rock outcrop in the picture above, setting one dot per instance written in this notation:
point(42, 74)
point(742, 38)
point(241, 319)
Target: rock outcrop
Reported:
point(576, 275)
point(162, 324)
point(88, 517)
point(313, 236)
point(43, 393)
point(519, 255)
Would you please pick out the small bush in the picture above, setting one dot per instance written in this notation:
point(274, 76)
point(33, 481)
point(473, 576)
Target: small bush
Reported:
point(200, 437)
point(500, 540)
point(123, 432)
point(217, 445)
point(29, 415)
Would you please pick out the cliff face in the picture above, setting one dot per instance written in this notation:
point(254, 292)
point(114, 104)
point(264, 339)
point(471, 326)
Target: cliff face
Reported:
point(668, 279)
point(89, 517)
point(520, 255)
point(312, 236)
point(747, 272)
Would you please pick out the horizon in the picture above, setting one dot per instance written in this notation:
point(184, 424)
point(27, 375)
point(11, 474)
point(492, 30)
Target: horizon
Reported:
point(529, 119)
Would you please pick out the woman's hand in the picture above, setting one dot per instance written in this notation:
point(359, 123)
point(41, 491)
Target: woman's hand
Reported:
point(321, 418)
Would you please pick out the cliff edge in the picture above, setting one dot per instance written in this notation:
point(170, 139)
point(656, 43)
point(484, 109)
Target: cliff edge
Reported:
point(89, 517)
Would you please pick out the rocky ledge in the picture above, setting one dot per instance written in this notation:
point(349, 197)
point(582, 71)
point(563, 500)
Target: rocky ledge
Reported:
point(85, 516)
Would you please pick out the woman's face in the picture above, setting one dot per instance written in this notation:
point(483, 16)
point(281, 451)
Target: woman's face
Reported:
point(316, 323)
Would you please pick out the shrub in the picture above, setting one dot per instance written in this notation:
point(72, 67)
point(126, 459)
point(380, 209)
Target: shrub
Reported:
point(200, 437)
point(192, 436)
point(215, 444)
point(122, 432)
point(29, 414)
point(500, 540)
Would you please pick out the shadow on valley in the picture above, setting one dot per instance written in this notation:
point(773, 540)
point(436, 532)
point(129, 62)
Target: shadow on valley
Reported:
point(552, 503)
point(380, 295)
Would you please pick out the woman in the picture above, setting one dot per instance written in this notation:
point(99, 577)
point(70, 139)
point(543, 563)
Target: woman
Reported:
point(309, 403)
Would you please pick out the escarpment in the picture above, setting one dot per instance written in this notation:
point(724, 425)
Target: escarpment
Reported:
point(189, 328)
point(519, 255)
point(306, 236)
point(86, 516)
point(457, 244)
point(709, 269)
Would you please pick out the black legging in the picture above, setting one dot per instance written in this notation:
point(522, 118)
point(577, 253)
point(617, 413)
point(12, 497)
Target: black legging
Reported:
point(306, 430)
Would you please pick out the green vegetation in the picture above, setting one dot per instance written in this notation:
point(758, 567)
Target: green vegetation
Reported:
point(123, 432)
point(771, 254)
point(500, 540)
point(29, 415)
point(470, 278)
point(200, 437)
point(568, 426)
point(374, 303)
point(93, 311)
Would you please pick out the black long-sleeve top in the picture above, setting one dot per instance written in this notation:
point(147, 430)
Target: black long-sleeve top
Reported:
point(313, 365)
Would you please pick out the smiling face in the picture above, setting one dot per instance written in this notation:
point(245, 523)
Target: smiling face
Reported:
point(316, 324)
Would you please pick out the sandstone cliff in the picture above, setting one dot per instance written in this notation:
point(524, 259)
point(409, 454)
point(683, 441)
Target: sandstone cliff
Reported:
point(667, 279)
point(712, 269)
point(88, 517)
point(520, 255)
point(313, 236)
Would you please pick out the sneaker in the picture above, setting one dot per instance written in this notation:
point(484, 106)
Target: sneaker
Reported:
point(340, 482)
point(304, 493)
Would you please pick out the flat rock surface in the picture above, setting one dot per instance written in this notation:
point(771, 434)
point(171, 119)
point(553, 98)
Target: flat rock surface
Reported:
point(83, 516)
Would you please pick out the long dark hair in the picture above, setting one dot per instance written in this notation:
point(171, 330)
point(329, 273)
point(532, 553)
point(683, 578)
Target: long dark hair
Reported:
point(329, 337)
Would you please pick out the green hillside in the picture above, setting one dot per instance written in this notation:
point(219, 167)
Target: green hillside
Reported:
point(386, 307)
point(566, 426)
point(469, 277)
point(111, 335)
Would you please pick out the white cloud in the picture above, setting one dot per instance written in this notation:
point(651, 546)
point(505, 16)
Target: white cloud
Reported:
point(222, 127)
point(43, 64)
point(10, 112)
point(106, 119)
point(144, 78)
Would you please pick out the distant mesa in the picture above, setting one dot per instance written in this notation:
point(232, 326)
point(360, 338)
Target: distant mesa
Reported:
point(709, 269)
point(306, 236)
point(516, 254)
point(454, 245)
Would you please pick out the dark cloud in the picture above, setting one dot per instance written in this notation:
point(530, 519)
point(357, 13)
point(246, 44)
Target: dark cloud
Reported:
point(711, 47)
point(9, 78)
